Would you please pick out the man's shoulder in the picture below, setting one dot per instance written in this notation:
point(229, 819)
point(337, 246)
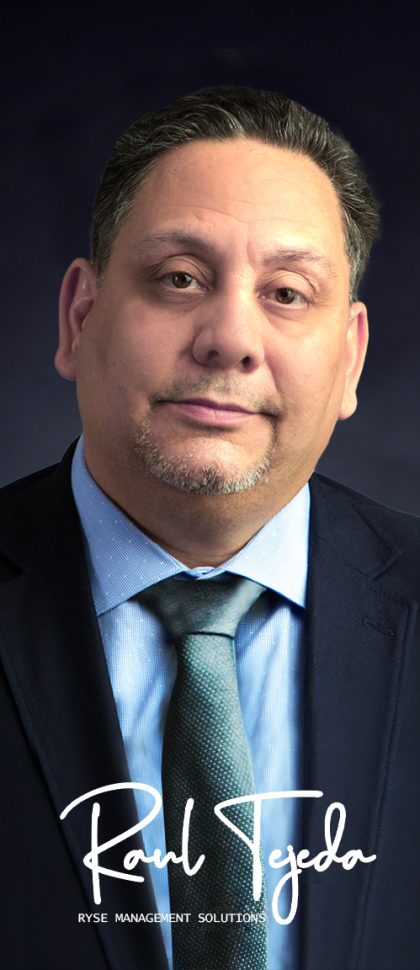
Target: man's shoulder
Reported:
point(332, 488)
point(341, 506)
point(35, 510)
point(38, 486)
point(13, 492)
point(29, 501)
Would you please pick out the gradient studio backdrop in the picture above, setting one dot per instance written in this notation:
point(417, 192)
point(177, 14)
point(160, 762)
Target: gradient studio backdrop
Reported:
point(76, 77)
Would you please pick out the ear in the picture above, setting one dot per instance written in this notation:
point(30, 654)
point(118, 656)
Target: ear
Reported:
point(77, 296)
point(356, 346)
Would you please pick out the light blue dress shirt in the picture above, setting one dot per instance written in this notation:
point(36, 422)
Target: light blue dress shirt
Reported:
point(122, 561)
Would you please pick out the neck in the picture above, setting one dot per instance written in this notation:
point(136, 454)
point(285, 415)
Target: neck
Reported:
point(198, 530)
point(205, 531)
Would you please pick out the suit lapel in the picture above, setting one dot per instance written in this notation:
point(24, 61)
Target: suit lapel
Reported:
point(57, 671)
point(358, 633)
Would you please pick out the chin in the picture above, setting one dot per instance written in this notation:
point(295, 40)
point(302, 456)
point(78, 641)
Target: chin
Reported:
point(206, 477)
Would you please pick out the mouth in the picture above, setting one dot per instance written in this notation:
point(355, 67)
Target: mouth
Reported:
point(207, 411)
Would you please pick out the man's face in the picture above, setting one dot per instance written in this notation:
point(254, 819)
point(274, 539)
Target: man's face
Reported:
point(220, 348)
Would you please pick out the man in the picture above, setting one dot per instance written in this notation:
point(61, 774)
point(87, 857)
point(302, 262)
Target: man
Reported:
point(216, 338)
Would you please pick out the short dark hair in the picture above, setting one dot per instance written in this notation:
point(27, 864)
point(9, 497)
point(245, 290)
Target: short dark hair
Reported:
point(220, 113)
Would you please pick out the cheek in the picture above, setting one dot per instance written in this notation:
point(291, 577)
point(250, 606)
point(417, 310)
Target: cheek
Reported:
point(138, 349)
point(314, 381)
point(111, 355)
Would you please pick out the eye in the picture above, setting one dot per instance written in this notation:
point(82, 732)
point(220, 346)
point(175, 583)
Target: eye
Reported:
point(181, 280)
point(288, 297)
point(173, 283)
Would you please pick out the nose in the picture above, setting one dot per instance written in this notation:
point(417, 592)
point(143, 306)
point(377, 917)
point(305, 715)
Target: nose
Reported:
point(228, 334)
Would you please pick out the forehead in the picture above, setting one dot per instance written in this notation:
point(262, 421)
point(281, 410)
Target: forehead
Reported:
point(238, 190)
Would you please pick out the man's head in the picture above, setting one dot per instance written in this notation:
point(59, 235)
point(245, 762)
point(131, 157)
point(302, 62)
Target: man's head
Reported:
point(214, 339)
point(226, 112)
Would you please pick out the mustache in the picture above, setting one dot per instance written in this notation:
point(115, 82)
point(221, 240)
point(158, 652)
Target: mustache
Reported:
point(217, 387)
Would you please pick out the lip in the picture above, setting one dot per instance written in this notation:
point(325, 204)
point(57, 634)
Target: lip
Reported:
point(207, 411)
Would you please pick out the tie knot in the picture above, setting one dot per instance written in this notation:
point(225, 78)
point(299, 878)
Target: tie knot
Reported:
point(188, 606)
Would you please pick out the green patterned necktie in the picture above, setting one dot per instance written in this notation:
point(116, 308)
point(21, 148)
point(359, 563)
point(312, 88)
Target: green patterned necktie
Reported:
point(206, 757)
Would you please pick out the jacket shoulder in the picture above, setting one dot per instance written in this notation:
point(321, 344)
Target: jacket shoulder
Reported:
point(340, 504)
point(365, 504)
point(12, 493)
point(37, 512)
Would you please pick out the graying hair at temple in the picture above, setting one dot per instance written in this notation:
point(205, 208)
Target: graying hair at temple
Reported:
point(224, 112)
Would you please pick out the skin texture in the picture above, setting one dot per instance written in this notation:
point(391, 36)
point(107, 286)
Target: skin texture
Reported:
point(219, 356)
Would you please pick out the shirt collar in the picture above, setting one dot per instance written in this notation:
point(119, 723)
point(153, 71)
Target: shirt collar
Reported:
point(122, 560)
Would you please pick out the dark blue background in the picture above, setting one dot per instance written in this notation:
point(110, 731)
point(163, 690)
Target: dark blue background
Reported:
point(74, 78)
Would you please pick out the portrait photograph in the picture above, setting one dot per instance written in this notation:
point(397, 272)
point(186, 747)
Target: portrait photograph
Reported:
point(210, 488)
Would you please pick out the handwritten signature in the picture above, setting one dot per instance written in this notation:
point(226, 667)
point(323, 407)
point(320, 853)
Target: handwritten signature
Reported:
point(295, 861)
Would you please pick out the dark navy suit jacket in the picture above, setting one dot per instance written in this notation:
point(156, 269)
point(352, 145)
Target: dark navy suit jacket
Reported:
point(60, 738)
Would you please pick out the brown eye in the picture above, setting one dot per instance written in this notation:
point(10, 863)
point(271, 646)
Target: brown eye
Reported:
point(181, 280)
point(286, 295)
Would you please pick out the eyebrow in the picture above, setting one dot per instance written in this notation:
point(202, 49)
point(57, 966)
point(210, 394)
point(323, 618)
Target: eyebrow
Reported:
point(151, 244)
